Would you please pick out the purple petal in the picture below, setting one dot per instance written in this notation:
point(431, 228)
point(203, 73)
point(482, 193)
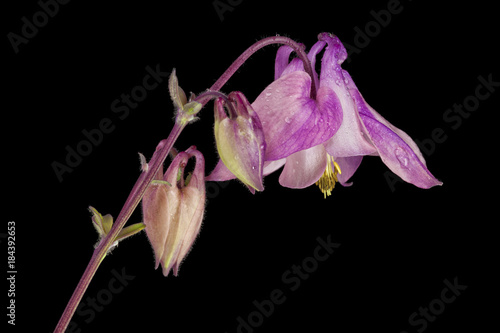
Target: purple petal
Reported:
point(297, 65)
point(348, 166)
point(220, 173)
point(304, 168)
point(291, 120)
point(282, 60)
point(294, 66)
point(271, 166)
point(349, 139)
point(396, 149)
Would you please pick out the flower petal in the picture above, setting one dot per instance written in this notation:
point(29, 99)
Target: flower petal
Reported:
point(282, 60)
point(158, 213)
point(271, 166)
point(291, 120)
point(348, 166)
point(396, 148)
point(297, 64)
point(349, 139)
point(304, 168)
point(191, 215)
point(220, 173)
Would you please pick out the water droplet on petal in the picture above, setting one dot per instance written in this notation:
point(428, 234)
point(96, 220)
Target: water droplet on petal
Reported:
point(288, 120)
point(402, 157)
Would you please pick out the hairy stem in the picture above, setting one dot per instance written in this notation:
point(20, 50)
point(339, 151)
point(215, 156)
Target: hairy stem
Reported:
point(157, 160)
point(133, 200)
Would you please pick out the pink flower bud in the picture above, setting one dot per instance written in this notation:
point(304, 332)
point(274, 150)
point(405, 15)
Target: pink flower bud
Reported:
point(173, 210)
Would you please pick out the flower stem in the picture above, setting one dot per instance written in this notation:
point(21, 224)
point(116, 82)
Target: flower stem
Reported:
point(206, 96)
point(257, 46)
point(133, 200)
point(155, 163)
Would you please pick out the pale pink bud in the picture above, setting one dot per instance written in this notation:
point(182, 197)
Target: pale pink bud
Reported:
point(173, 210)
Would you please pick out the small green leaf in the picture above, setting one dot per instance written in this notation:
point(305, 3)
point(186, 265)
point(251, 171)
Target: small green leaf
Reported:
point(192, 108)
point(176, 93)
point(97, 222)
point(107, 223)
point(130, 230)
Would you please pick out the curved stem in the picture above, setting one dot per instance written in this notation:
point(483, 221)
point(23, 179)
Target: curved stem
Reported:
point(154, 165)
point(257, 46)
point(203, 98)
point(133, 200)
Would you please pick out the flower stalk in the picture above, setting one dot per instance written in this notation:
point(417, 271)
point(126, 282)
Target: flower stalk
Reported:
point(296, 122)
point(298, 48)
point(131, 203)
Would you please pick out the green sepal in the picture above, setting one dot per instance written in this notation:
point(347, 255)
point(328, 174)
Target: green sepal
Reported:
point(192, 108)
point(130, 231)
point(187, 109)
point(176, 93)
point(103, 225)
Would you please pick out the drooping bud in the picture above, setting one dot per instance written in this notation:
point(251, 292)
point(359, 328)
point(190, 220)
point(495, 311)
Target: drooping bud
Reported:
point(173, 210)
point(240, 139)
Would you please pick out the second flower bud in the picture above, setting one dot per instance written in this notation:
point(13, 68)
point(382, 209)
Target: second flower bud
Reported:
point(240, 139)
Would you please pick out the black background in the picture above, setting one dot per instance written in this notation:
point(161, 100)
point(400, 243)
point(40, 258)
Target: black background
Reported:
point(397, 245)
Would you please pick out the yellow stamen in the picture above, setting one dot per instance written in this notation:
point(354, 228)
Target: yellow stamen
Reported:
point(327, 181)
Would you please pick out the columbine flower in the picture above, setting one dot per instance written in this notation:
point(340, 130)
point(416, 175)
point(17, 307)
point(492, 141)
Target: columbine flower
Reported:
point(333, 158)
point(292, 121)
point(173, 210)
point(240, 139)
point(363, 132)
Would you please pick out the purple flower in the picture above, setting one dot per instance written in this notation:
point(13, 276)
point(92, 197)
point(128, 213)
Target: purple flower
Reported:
point(292, 121)
point(296, 136)
point(365, 132)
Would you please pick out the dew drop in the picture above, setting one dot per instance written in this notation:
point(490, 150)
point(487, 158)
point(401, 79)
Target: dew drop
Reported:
point(288, 120)
point(402, 157)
